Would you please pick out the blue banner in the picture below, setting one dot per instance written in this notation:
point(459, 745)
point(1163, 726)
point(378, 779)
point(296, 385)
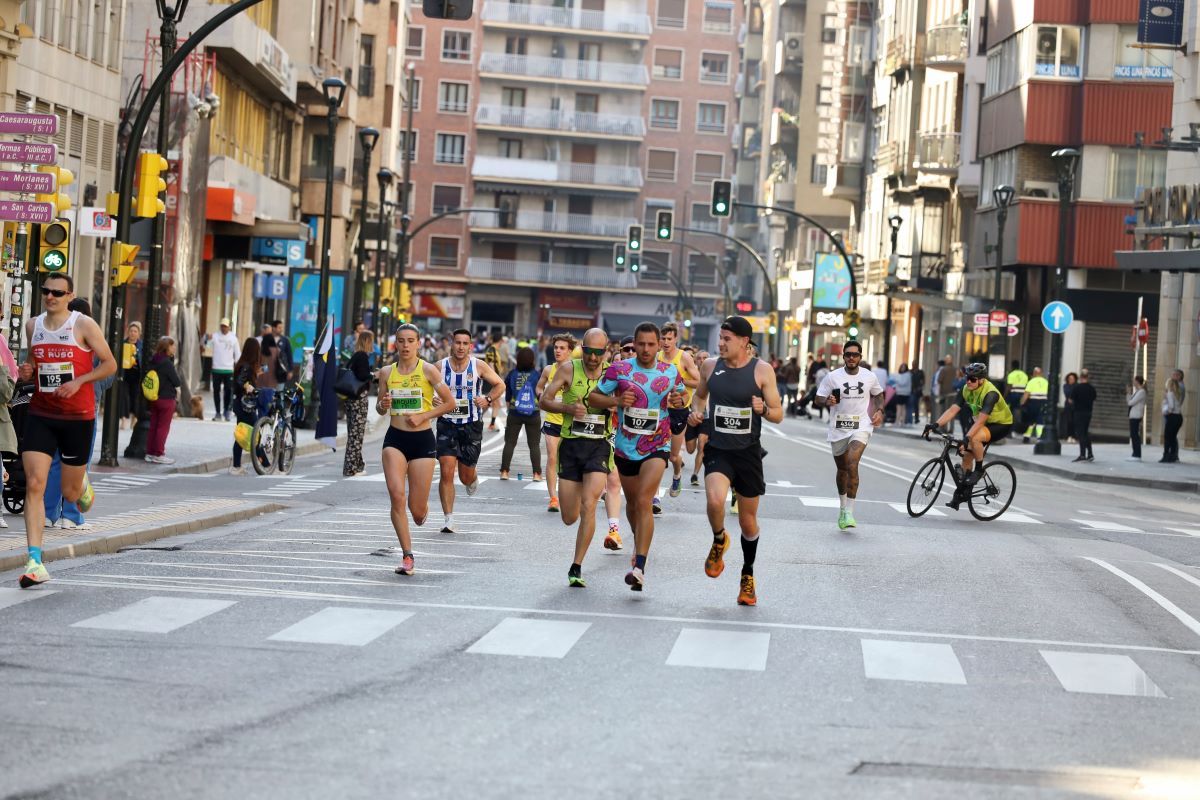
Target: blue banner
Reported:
point(277, 251)
point(270, 287)
point(302, 311)
point(1160, 22)
point(831, 282)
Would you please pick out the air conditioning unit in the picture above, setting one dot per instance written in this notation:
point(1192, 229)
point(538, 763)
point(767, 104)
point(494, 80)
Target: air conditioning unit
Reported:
point(793, 46)
point(1046, 189)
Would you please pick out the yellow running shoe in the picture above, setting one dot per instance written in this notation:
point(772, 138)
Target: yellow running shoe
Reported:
point(714, 565)
point(35, 573)
point(613, 540)
point(87, 496)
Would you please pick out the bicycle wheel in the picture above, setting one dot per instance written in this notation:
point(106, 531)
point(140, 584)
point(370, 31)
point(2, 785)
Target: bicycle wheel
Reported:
point(262, 446)
point(993, 492)
point(926, 486)
point(285, 442)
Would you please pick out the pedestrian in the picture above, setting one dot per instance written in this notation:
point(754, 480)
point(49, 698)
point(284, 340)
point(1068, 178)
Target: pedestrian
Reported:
point(8, 436)
point(1084, 398)
point(943, 386)
point(245, 375)
point(356, 407)
point(881, 372)
point(285, 366)
point(225, 353)
point(206, 360)
point(1016, 380)
point(349, 340)
point(1034, 405)
point(495, 355)
point(904, 392)
point(1135, 399)
point(523, 413)
point(266, 380)
point(916, 399)
point(791, 385)
point(131, 380)
point(1066, 419)
point(1172, 411)
point(162, 410)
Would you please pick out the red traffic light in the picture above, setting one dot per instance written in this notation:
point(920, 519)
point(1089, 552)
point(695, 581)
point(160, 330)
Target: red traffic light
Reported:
point(744, 306)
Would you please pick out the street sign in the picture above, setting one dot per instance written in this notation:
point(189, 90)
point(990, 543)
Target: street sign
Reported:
point(26, 211)
point(35, 182)
point(982, 329)
point(1057, 316)
point(28, 152)
point(16, 122)
point(985, 318)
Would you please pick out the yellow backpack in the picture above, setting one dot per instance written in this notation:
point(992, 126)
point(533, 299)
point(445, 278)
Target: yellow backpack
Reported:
point(150, 386)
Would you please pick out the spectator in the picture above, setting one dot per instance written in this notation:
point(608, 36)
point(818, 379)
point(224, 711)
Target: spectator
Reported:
point(881, 373)
point(943, 385)
point(496, 357)
point(1066, 419)
point(1172, 411)
point(349, 340)
point(225, 353)
point(245, 376)
point(206, 358)
point(1135, 399)
point(356, 407)
point(131, 380)
point(1034, 405)
point(285, 368)
point(1016, 380)
point(8, 436)
point(162, 410)
point(916, 399)
point(904, 392)
point(522, 413)
point(1084, 397)
point(791, 384)
point(267, 379)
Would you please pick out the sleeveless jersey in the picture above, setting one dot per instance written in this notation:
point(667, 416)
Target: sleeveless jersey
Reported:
point(465, 386)
point(552, 418)
point(596, 423)
point(732, 423)
point(1001, 413)
point(677, 361)
point(59, 358)
point(411, 393)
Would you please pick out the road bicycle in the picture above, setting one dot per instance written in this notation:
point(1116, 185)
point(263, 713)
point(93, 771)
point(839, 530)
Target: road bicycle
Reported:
point(987, 498)
point(273, 441)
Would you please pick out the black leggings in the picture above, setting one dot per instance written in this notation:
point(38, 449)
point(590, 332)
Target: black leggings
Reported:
point(533, 434)
point(1083, 421)
point(1171, 425)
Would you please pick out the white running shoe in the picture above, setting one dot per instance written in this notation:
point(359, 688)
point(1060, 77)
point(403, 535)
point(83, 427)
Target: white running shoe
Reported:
point(237, 470)
point(472, 487)
point(68, 525)
point(3, 522)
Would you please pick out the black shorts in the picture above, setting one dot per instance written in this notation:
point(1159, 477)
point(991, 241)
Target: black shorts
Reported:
point(998, 431)
point(631, 469)
point(72, 438)
point(691, 433)
point(552, 429)
point(679, 418)
point(413, 445)
point(460, 441)
point(577, 457)
point(744, 468)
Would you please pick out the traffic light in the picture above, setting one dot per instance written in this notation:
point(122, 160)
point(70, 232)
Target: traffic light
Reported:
point(387, 288)
point(112, 204)
point(853, 319)
point(722, 198)
point(619, 257)
point(123, 268)
point(151, 184)
point(56, 198)
point(795, 341)
point(54, 246)
point(664, 226)
point(404, 301)
point(634, 243)
point(635, 262)
point(744, 305)
point(772, 323)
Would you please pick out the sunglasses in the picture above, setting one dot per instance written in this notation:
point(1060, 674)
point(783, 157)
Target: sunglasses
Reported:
point(594, 351)
point(627, 349)
point(851, 355)
point(55, 292)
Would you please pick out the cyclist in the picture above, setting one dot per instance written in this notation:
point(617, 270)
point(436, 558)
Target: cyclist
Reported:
point(993, 420)
point(562, 345)
point(686, 365)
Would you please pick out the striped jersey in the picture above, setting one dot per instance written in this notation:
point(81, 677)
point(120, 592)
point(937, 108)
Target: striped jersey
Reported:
point(465, 386)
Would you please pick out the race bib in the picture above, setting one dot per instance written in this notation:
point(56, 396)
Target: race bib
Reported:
point(846, 422)
point(731, 419)
point(55, 374)
point(590, 427)
point(641, 421)
point(405, 401)
point(462, 410)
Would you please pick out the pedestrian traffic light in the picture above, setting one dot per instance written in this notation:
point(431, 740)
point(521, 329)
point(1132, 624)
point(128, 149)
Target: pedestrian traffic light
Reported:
point(54, 246)
point(634, 243)
point(664, 226)
point(635, 262)
point(123, 268)
point(772, 323)
point(744, 305)
point(722, 198)
point(151, 184)
point(795, 341)
point(56, 198)
point(404, 301)
point(619, 257)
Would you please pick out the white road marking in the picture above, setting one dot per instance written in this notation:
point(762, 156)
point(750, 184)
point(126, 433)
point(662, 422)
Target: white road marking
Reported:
point(903, 509)
point(1192, 579)
point(346, 626)
point(1100, 673)
point(1106, 525)
point(1187, 619)
point(704, 647)
point(1024, 519)
point(919, 662)
point(820, 502)
point(155, 615)
point(11, 597)
point(1188, 531)
point(530, 637)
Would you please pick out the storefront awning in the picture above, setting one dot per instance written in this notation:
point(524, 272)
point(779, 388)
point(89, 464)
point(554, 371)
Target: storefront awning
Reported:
point(226, 204)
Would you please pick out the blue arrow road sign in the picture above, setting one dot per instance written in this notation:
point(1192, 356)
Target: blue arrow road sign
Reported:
point(1057, 316)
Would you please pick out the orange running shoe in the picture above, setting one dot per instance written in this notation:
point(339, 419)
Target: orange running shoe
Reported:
point(747, 597)
point(553, 504)
point(714, 565)
point(613, 540)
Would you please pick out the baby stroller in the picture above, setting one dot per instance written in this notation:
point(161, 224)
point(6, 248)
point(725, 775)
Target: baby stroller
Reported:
point(14, 487)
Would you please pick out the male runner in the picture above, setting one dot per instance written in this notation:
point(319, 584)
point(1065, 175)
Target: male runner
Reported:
point(740, 390)
point(993, 420)
point(694, 437)
point(62, 412)
point(584, 454)
point(855, 401)
point(643, 390)
point(460, 433)
point(406, 392)
point(683, 362)
point(562, 344)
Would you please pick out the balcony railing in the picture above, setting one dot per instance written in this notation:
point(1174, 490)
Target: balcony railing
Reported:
point(563, 69)
point(938, 152)
point(946, 45)
point(570, 18)
point(891, 158)
point(544, 222)
point(525, 169)
point(318, 172)
point(568, 121)
point(533, 272)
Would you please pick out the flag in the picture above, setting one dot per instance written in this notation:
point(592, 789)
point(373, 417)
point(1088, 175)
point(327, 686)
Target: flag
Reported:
point(324, 378)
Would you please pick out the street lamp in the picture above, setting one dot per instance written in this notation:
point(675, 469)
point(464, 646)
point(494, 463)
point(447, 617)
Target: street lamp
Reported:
point(334, 90)
point(367, 137)
point(894, 222)
point(1002, 196)
point(384, 176)
point(1067, 161)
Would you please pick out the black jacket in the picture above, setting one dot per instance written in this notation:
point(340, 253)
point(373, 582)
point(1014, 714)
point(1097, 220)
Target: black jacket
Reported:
point(168, 378)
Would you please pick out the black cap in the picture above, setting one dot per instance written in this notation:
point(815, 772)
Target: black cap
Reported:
point(738, 326)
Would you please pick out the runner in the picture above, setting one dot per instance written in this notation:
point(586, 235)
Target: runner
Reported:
point(992, 421)
point(460, 433)
point(686, 367)
point(740, 390)
point(62, 413)
point(584, 454)
point(406, 391)
point(643, 390)
point(562, 344)
point(694, 437)
point(855, 401)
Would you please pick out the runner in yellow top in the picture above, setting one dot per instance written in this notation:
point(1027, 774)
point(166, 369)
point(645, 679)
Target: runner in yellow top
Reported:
point(563, 343)
point(406, 393)
point(683, 361)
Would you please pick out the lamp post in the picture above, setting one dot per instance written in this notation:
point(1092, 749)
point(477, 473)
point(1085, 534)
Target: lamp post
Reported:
point(1067, 161)
point(998, 343)
point(367, 137)
point(384, 176)
point(894, 222)
point(402, 194)
point(334, 90)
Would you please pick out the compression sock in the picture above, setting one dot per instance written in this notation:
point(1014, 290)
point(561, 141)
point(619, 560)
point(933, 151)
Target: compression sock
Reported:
point(749, 551)
point(35, 553)
point(849, 504)
point(613, 521)
point(640, 562)
point(842, 501)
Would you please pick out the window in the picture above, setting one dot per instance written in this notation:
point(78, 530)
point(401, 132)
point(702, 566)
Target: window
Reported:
point(702, 269)
point(703, 219)
point(709, 167)
point(714, 67)
point(672, 14)
point(453, 97)
point(1003, 67)
point(412, 151)
point(451, 148)
point(1057, 52)
point(710, 118)
point(664, 114)
point(1130, 171)
point(829, 28)
point(509, 148)
point(446, 198)
point(1136, 63)
point(456, 46)
point(416, 43)
point(718, 16)
point(824, 95)
point(998, 170)
point(660, 165)
point(443, 252)
point(650, 219)
point(818, 172)
point(853, 134)
point(366, 66)
point(668, 63)
point(516, 45)
point(587, 103)
point(655, 265)
point(756, 18)
point(416, 91)
point(1040, 51)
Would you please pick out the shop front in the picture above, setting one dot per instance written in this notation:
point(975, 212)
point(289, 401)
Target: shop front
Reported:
point(564, 311)
point(438, 308)
point(621, 313)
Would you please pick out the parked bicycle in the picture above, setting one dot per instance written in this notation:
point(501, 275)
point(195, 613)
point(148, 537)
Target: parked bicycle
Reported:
point(987, 498)
point(273, 442)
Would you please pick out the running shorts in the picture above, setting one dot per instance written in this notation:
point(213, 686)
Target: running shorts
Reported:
point(629, 468)
point(743, 468)
point(577, 457)
point(551, 429)
point(460, 441)
point(413, 445)
point(998, 431)
point(70, 437)
point(842, 445)
point(679, 418)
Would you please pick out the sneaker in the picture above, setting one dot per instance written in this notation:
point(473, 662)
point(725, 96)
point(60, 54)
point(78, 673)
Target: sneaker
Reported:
point(472, 487)
point(656, 506)
point(575, 581)
point(746, 595)
point(537, 477)
point(87, 497)
point(503, 474)
point(407, 566)
point(69, 525)
point(493, 427)
point(1134, 458)
point(695, 480)
point(955, 501)
point(3, 522)
point(733, 502)
point(237, 470)
point(676, 485)
point(850, 523)
point(635, 579)
point(842, 517)
point(1091, 458)
point(553, 506)
point(216, 418)
point(228, 416)
point(613, 540)
point(35, 573)
point(714, 565)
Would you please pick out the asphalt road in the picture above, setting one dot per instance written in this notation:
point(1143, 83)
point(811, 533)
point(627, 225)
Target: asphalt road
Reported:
point(1054, 652)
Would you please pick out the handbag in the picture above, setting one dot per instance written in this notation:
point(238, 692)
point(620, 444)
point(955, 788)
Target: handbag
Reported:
point(348, 385)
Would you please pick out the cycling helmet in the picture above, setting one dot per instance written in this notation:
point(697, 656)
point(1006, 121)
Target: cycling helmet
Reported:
point(975, 370)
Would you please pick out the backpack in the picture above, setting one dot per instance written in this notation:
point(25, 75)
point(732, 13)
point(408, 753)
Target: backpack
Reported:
point(150, 386)
point(526, 403)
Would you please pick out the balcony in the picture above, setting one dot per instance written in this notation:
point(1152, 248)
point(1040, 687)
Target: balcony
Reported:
point(1031, 233)
point(541, 68)
point(251, 52)
point(903, 52)
point(946, 47)
point(938, 152)
point(567, 122)
point(527, 15)
point(891, 158)
point(528, 273)
point(526, 170)
point(539, 223)
point(845, 181)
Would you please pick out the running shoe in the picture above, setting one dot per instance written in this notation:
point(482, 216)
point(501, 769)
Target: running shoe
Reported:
point(676, 485)
point(34, 574)
point(553, 506)
point(447, 528)
point(503, 474)
point(613, 540)
point(695, 480)
point(576, 581)
point(733, 502)
point(70, 525)
point(635, 579)
point(472, 487)
point(842, 516)
point(656, 506)
point(3, 522)
point(714, 565)
point(237, 470)
point(746, 595)
point(407, 566)
point(87, 496)
point(850, 523)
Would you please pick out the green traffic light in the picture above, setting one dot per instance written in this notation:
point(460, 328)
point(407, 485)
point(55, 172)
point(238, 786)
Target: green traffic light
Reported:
point(720, 206)
point(664, 233)
point(795, 341)
point(853, 332)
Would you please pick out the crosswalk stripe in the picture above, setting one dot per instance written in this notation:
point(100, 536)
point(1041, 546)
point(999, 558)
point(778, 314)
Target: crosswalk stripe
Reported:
point(11, 597)
point(541, 638)
point(1100, 673)
point(918, 662)
point(345, 626)
point(1106, 525)
point(1188, 531)
point(1025, 519)
point(903, 509)
point(820, 502)
point(704, 647)
point(155, 615)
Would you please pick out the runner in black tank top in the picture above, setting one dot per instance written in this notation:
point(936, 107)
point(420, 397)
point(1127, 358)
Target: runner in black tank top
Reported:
point(740, 390)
